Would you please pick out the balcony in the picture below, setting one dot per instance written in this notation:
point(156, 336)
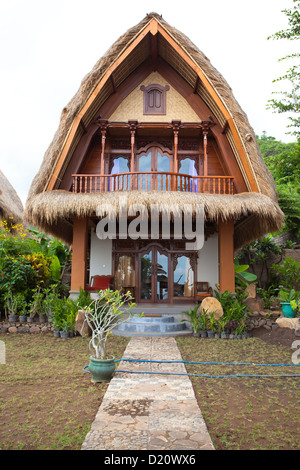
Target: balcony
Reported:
point(153, 180)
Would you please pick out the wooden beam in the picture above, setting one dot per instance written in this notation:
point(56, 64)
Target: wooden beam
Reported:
point(225, 127)
point(154, 47)
point(79, 252)
point(196, 85)
point(83, 126)
point(226, 256)
point(113, 84)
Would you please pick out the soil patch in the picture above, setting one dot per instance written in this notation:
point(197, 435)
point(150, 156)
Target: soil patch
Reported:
point(277, 336)
point(247, 407)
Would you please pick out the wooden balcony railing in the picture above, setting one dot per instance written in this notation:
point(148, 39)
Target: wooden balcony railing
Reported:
point(153, 180)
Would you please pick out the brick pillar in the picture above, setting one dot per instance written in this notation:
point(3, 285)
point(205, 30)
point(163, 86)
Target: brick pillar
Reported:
point(226, 256)
point(78, 273)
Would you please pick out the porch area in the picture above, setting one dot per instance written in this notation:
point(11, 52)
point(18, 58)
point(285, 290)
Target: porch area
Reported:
point(162, 275)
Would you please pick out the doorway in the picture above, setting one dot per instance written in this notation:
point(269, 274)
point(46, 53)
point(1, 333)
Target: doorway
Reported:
point(154, 276)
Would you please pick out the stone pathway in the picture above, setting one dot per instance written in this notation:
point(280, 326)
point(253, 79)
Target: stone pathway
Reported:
point(149, 412)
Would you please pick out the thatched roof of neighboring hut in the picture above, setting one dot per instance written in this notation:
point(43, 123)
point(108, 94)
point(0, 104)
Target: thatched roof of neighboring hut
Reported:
point(47, 210)
point(10, 204)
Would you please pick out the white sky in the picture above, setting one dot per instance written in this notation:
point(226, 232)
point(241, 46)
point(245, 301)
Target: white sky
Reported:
point(47, 47)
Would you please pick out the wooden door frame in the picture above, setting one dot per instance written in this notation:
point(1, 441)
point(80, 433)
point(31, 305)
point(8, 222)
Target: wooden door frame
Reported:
point(155, 247)
point(143, 151)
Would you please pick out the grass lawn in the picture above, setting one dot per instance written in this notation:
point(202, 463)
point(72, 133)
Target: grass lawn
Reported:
point(246, 413)
point(47, 401)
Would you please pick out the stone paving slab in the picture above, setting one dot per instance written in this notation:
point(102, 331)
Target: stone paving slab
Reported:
point(149, 412)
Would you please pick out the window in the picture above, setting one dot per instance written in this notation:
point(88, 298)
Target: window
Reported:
point(155, 99)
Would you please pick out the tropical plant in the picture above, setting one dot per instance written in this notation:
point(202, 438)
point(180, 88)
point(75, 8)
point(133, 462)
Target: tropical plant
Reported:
point(233, 304)
point(269, 295)
point(212, 322)
point(203, 320)
point(222, 324)
point(286, 295)
point(242, 276)
point(11, 304)
point(84, 299)
point(192, 313)
point(286, 274)
point(105, 313)
point(240, 328)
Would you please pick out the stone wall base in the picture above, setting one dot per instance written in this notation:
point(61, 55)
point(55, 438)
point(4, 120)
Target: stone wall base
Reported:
point(20, 327)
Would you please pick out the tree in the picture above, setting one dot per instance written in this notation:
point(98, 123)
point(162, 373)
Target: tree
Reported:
point(290, 99)
point(283, 160)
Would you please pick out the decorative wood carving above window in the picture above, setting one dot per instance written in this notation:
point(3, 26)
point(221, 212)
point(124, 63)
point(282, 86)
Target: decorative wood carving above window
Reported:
point(155, 99)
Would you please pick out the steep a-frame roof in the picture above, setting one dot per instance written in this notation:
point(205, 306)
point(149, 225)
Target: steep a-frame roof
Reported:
point(152, 38)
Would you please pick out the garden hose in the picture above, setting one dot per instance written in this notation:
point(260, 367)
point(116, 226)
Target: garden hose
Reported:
point(204, 363)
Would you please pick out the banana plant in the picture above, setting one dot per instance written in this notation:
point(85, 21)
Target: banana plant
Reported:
point(242, 276)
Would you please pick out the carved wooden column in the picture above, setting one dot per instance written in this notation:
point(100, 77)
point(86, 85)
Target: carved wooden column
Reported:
point(103, 128)
point(204, 133)
point(176, 125)
point(132, 127)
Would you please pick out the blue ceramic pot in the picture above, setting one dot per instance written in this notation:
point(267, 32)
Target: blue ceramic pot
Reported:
point(102, 369)
point(287, 310)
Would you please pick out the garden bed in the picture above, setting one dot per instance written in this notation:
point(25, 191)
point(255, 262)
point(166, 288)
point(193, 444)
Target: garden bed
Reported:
point(47, 401)
point(247, 413)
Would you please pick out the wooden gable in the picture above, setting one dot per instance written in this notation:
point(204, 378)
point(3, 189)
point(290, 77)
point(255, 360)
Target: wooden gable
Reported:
point(153, 50)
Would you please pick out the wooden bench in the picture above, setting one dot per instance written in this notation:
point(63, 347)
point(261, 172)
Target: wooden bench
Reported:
point(203, 290)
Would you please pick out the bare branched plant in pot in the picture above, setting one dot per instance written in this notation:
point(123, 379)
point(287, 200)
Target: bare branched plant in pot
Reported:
point(104, 313)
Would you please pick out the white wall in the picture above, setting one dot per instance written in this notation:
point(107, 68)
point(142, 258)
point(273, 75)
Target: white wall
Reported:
point(100, 256)
point(208, 262)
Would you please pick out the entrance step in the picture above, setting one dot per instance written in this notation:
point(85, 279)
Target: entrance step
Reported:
point(152, 325)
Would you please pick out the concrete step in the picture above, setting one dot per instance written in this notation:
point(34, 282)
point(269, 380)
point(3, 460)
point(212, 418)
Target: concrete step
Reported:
point(152, 325)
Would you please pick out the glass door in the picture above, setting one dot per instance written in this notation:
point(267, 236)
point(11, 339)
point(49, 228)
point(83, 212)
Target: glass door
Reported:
point(162, 164)
point(162, 276)
point(154, 275)
point(156, 161)
point(146, 284)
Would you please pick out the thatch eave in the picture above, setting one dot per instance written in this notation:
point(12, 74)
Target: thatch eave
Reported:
point(52, 211)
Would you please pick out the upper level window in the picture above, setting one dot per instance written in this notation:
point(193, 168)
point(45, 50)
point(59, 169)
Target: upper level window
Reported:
point(155, 99)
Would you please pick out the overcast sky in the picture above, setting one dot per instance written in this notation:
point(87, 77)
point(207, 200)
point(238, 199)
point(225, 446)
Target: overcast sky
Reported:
point(47, 47)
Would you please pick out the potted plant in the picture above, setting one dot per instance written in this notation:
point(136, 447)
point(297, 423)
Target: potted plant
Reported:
point(64, 329)
point(48, 302)
point(222, 327)
point(102, 315)
point(212, 325)
point(23, 313)
point(288, 299)
point(203, 320)
point(11, 306)
point(57, 316)
point(36, 307)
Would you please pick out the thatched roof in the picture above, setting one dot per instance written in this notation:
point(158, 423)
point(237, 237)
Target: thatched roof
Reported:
point(255, 214)
point(212, 88)
point(10, 203)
